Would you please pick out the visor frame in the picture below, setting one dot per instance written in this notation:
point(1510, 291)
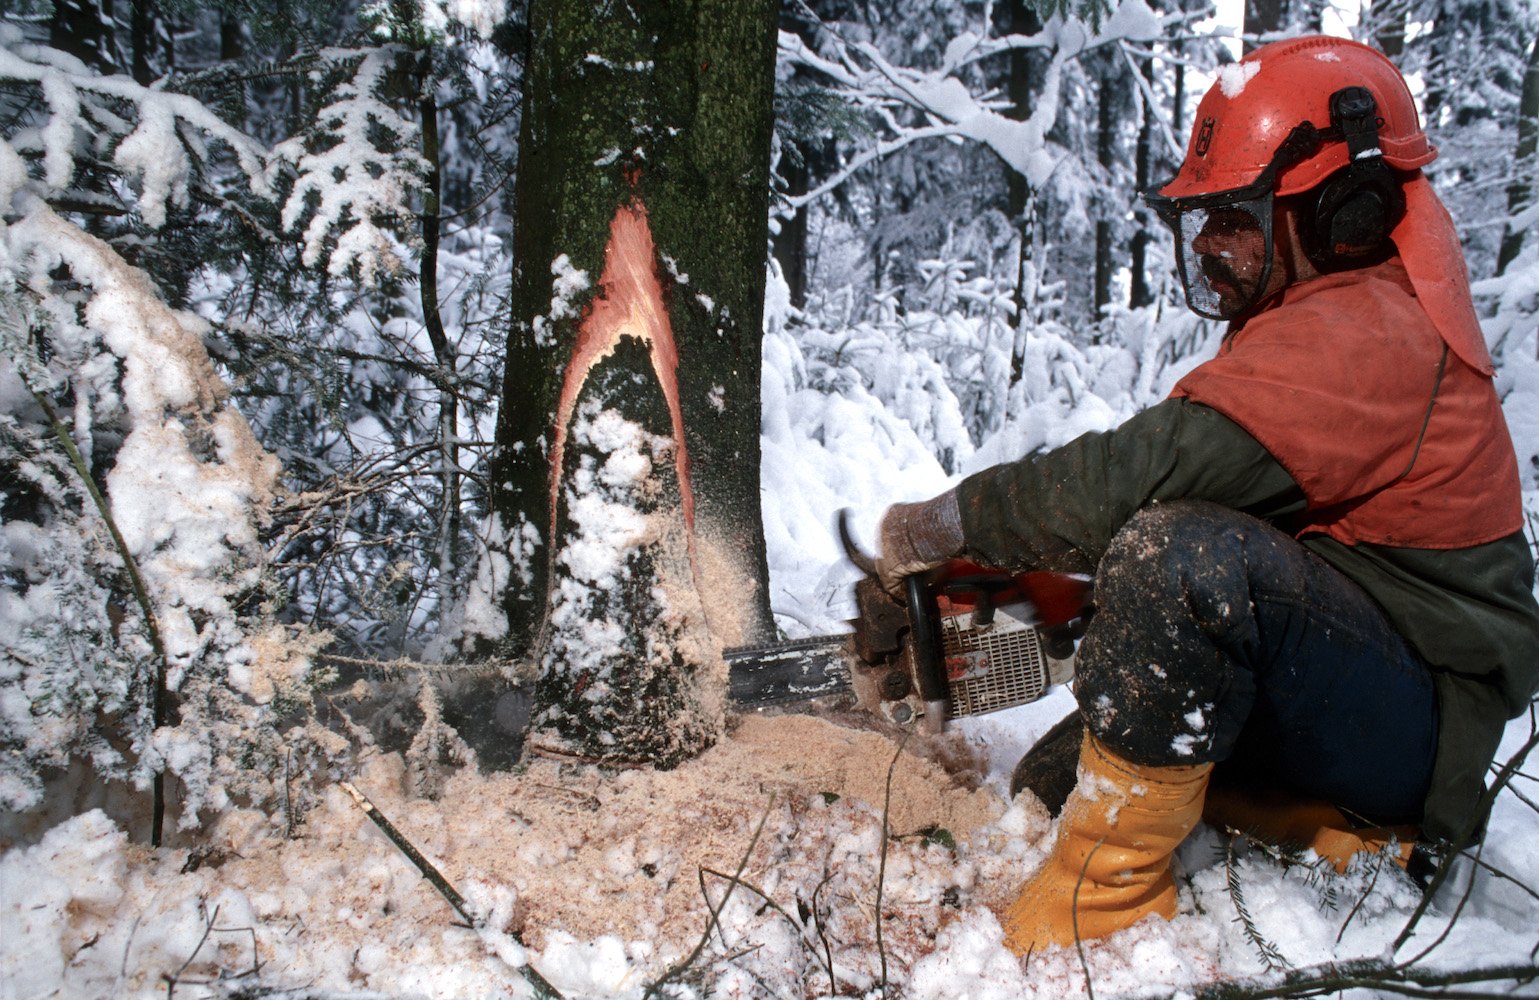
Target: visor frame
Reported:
point(1302, 142)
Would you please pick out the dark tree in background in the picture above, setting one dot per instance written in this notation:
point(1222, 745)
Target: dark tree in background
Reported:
point(626, 479)
point(1027, 68)
point(1520, 193)
point(85, 29)
point(1263, 17)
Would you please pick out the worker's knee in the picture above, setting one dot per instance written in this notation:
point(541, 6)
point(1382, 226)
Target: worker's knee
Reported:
point(1181, 564)
point(1157, 677)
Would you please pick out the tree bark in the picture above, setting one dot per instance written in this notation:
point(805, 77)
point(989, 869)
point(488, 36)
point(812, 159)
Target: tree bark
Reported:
point(1140, 293)
point(232, 48)
point(626, 478)
point(1027, 68)
point(790, 242)
point(150, 46)
point(1106, 140)
point(805, 162)
point(1261, 18)
point(445, 354)
point(1387, 19)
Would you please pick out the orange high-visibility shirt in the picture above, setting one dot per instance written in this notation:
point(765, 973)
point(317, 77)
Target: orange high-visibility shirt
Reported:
point(1393, 438)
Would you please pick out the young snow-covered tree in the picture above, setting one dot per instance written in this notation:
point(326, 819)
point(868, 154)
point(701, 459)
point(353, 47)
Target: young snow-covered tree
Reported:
point(360, 317)
point(136, 598)
point(132, 493)
point(626, 485)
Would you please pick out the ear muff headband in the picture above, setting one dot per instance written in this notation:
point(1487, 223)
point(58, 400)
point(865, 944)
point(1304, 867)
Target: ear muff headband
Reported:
point(1360, 204)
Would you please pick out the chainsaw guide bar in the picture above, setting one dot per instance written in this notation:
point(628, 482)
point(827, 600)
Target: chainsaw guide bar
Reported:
point(798, 670)
point(977, 667)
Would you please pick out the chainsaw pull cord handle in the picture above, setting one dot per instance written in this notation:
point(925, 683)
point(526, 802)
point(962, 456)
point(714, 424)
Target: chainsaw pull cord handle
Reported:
point(929, 665)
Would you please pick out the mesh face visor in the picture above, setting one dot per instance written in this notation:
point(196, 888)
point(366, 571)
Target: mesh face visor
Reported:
point(1224, 253)
point(1224, 238)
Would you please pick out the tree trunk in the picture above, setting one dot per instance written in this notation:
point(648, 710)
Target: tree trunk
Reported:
point(804, 162)
point(232, 49)
point(445, 354)
point(1141, 294)
point(1261, 18)
point(791, 241)
point(814, 161)
point(1106, 135)
point(1027, 68)
point(626, 479)
point(1387, 20)
point(1441, 47)
point(1520, 193)
point(85, 29)
point(144, 27)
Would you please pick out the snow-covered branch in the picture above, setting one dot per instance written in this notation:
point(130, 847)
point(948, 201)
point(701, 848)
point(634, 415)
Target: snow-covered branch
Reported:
point(155, 139)
point(358, 168)
point(1366, 974)
point(1146, 97)
point(431, 20)
point(946, 104)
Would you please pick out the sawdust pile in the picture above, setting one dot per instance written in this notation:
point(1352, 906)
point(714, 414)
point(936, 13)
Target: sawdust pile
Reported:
point(587, 853)
point(620, 853)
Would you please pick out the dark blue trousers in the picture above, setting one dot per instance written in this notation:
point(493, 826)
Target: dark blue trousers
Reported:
point(1218, 638)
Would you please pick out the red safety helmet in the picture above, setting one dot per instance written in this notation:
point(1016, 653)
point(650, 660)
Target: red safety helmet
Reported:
point(1256, 103)
point(1295, 116)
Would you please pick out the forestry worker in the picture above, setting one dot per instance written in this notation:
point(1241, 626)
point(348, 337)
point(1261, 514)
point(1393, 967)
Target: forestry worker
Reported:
point(1314, 600)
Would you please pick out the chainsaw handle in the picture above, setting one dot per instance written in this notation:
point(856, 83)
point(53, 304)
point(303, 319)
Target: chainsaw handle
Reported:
point(929, 666)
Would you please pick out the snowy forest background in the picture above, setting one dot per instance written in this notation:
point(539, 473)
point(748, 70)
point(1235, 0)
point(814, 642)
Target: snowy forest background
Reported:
point(255, 263)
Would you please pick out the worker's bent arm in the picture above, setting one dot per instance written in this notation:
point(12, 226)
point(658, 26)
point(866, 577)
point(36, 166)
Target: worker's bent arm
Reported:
point(1060, 509)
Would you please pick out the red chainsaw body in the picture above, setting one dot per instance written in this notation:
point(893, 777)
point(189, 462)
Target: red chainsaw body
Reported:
point(969, 640)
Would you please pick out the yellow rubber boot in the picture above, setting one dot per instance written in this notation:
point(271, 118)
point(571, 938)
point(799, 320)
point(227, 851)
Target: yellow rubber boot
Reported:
point(1110, 865)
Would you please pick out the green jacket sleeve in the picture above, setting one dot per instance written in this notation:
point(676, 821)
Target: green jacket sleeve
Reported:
point(1060, 509)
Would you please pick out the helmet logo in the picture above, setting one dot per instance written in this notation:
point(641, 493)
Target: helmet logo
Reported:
point(1204, 137)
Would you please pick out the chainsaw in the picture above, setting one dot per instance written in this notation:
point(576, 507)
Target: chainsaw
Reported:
point(966, 640)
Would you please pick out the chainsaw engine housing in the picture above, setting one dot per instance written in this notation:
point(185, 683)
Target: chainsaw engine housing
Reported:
point(956, 655)
point(997, 665)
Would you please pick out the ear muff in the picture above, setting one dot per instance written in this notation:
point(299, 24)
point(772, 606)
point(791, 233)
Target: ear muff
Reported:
point(1358, 206)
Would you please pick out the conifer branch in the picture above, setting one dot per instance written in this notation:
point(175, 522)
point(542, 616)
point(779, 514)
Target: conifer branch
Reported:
point(1378, 869)
point(1271, 957)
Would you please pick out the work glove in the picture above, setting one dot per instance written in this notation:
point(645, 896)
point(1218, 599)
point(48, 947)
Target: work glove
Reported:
point(914, 537)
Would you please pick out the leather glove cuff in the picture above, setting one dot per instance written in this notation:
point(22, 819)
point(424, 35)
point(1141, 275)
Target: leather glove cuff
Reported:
point(934, 527)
